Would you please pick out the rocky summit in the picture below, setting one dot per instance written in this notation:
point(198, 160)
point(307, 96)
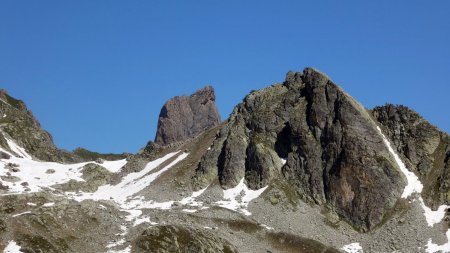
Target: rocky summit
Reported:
point(299, 166)
point(312, 134)
point(185, 117)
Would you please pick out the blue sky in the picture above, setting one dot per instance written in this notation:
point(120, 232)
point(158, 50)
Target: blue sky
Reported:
point(96, 73)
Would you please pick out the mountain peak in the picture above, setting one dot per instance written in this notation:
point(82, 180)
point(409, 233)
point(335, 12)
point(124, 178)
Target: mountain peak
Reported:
point(185, 117)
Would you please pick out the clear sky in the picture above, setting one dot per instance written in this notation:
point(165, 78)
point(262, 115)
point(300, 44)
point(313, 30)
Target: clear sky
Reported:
point(96, 73)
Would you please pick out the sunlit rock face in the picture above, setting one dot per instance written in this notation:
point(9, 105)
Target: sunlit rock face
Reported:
point(185, 117)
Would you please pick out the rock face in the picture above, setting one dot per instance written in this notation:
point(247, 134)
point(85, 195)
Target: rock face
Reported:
point(310, 133)
point(185, 117)
point(423, 147)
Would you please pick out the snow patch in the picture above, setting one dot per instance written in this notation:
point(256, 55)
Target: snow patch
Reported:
point(12, 248)
point(238, 198)
point(434, 248)
point(48, 204)
point(17, 149)
point(19, 214)
point(283, 161)
point(353, 248)
point(414, 185)
point(113, 166)
point(433, 217)
point(266, 227)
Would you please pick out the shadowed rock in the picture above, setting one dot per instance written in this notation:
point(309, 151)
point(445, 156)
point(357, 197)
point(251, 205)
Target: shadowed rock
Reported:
point(185, 117)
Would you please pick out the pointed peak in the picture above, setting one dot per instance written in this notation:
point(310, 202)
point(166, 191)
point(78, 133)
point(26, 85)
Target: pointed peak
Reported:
point(315, 78)
point(206, 92)
point(185, 117)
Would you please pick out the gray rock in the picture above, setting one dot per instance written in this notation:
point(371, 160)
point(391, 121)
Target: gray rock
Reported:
point(334, 154)
point(186, 117)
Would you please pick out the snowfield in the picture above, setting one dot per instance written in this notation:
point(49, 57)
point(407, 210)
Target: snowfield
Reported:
point(33, 176)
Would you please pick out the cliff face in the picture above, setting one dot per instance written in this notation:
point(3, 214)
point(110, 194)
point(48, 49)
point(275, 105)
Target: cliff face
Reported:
point(312, 134)
point(185, 117)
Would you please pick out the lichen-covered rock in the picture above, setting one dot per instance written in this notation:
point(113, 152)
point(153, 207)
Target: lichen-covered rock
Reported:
point(186, 117)
point(178, 239)
point(315, 136)
point(423, 147)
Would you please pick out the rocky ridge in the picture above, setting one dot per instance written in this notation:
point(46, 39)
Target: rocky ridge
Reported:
point(299, 167)
point(19, 124)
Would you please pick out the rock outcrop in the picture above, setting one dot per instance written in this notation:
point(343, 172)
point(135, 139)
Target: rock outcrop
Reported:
point(185, 117)
point(423, 147)
point(313, 135)
point(173, 238)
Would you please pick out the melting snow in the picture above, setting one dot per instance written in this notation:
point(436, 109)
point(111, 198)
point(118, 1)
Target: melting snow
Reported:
point(238, 198)
point(353, 248)
point(414, 185)
point(12, 248)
